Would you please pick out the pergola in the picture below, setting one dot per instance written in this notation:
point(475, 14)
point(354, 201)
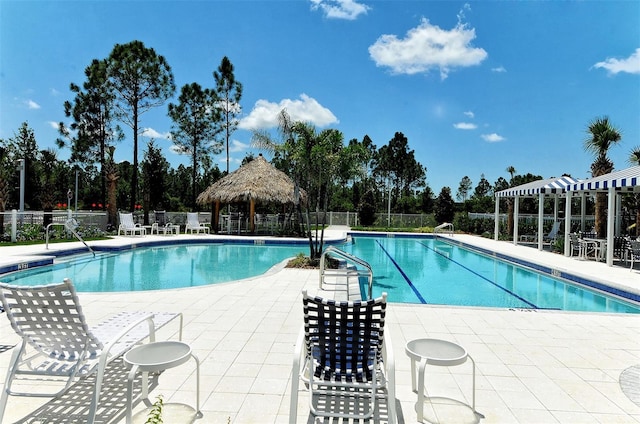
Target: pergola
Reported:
point(553, 187)
point(255, 182)
point(614, 183)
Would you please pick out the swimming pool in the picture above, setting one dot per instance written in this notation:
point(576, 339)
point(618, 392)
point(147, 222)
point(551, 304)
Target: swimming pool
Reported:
point(434, 271)
point(160, 267)
point(411, 269)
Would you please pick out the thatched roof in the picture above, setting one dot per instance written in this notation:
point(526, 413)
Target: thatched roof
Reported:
point(257, 180)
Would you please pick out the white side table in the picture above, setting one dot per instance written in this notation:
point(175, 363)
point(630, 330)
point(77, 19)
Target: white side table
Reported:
point(155, 357)
point(437, 352)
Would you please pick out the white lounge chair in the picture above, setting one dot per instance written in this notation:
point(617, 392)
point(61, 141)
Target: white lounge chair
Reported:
point(58, 345)
point(193, 224)
point(345, 351)
point(127, 226)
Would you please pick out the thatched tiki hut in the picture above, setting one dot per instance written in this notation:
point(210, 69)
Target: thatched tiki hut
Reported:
point(254, 182)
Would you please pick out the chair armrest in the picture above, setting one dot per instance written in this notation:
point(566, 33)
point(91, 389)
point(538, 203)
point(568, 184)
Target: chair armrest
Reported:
point(390, 372)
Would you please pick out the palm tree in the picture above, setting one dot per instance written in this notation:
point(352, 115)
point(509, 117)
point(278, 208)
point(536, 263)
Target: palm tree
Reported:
point(634, 159)
point(602, 135)
point(511, 170)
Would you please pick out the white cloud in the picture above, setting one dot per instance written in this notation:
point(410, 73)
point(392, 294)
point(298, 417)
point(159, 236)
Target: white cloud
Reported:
point(55, 92)
point(630, 65)
point(31, 104)
point(306, 109)
point(151, 133)
point(492, 138)
point(238, 146)
point(428, 47)
point(499, 69)
point(465, 126)
point(340, 9)
point(469, 114)
point(53, 125)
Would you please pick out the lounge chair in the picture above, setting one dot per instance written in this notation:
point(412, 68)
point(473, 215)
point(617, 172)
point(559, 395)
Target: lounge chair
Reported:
point(193, 224)
point(127, 226)
point(57, 343)
point(553, 234)
point(162, 225)
point(345, 352)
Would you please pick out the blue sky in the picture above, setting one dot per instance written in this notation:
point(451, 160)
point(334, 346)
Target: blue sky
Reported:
point(476, 87)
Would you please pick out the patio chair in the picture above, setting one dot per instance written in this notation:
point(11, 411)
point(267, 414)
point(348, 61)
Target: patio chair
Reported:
point(634, 252)
point(58, 345)
point(575, 245)
point(553, 234)
point(127, 226)
point(163, 225)
point(193, 224)
point(345, 352)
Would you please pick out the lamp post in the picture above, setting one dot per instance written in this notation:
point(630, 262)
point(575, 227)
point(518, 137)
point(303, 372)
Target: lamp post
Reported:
point(20, 167)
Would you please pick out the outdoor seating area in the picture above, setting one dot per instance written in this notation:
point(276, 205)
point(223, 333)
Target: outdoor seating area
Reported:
point(58, 343)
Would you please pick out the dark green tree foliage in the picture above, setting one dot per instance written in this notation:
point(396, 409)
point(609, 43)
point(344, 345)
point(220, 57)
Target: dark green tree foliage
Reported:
point(142, 80)
point(464, 188)
point(179, 185)
point(23, 145)
point(195, 127)
point(483, 189)
point(426, 200)
point(396, 162)
point(155, 169)
point(444, 208)
point(93, 128)
point(229, 93)
point(367, 209)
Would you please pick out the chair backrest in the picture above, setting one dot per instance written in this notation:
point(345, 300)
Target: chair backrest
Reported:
point(50, 319)
point(554, 230)
point(192, 219)
point(126, 220)
point(161, 217)
point(634, 246)
point(344, 336)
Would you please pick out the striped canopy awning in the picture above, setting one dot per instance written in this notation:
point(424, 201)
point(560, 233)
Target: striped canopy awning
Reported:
point(549, 186)
point(626, 179)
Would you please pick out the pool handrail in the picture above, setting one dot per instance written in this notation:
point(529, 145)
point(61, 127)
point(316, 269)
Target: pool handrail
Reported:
point(445, 227)
point(349, 258)
point(71, 225)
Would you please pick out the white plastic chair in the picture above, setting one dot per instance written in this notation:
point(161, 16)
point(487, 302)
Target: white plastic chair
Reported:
point(128, 226)
point(193, 224)
point(57, 343)
point(345, 351)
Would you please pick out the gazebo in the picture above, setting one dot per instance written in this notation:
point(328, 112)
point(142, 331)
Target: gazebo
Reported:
point(255, 182)
point(615, 183)
point(554, 187)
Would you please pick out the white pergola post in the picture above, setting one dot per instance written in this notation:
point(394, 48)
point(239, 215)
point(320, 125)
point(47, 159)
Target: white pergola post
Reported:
point(611, 207)
point(540, 220)
point(516, 206)
point(567, 224)
point(496, 228)
point(583, 210)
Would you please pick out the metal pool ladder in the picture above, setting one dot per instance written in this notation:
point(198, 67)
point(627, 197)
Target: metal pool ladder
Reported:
point(341, 278)
point(71, 225)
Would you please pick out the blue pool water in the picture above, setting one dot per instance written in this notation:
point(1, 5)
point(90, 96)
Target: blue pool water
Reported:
point(412, 270)
point(432, 271)
point(160, 267)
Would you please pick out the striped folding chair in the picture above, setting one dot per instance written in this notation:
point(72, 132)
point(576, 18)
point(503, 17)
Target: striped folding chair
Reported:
point(57, 343)
point(346, 356)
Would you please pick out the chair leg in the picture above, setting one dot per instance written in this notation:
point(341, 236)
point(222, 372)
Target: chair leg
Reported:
point(11, 372)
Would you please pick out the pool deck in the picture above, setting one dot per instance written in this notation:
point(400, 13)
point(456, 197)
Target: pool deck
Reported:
point(532, 366)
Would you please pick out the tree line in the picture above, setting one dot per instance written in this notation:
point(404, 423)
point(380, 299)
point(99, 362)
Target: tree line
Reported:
point(133, 79)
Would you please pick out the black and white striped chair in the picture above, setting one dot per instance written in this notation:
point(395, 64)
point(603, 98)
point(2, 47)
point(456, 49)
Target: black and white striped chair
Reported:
point(345, 353)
